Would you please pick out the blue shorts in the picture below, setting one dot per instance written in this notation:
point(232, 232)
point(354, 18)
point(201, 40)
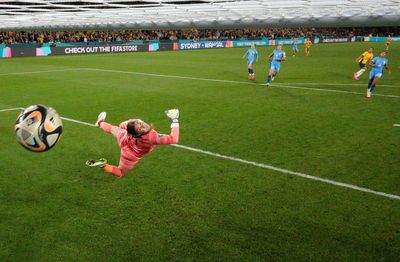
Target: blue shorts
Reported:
point(275, 66)
point(250, 61)
point(374, 74)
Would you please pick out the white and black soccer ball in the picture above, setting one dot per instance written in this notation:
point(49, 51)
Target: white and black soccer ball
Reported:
point(38, 128)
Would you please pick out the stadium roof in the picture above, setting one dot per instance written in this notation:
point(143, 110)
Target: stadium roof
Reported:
point(151, 14)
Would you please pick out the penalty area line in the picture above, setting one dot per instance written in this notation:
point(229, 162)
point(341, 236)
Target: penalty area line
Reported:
point(39, 72)
point(396, 125)
point(77, 121)
point(11, 109)
point(256, 164)
point(335, 84)
point(279, 85)
point(289, 172)
point(329, 90)
point(64, 118)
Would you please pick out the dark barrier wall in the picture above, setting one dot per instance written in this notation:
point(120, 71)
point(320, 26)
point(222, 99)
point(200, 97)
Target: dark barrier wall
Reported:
point(166, 46)
point(23, 51)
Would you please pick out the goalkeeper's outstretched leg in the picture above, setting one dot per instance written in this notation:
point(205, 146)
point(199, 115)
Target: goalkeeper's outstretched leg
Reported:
point(136, 139)
point(119, 171)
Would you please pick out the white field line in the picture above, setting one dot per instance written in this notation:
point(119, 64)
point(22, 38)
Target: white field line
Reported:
point(39, 72)
point(11, 109)
point(235, 82)
point(169, 76)
point(77, 121)
point(336, 84)
point(64, 118)
point(289, 172)
point(331, 90)
point(284, 85)
point(261, 165)
point(397, 125)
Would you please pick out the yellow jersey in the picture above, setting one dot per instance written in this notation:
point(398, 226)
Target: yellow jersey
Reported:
point(388, 40)
point(365, 57)
point(308, 43)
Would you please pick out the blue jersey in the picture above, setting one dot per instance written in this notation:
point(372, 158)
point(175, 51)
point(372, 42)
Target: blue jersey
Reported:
point(294, 44)
point(251, 54)
point(278, 55)
point(379, 64)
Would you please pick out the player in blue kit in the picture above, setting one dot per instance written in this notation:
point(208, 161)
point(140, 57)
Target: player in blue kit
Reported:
point(252, 56)
point(377, 65)
point(276, 58)
point(295, 49)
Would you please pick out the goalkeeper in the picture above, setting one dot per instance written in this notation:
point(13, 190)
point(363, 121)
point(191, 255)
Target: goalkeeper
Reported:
point(135, 139)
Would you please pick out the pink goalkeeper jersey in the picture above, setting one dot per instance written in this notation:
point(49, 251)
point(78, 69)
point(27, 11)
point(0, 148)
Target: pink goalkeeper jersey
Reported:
point(135, 148)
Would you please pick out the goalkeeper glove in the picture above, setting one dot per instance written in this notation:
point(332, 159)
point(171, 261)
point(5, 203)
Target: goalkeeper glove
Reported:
point(173, 114)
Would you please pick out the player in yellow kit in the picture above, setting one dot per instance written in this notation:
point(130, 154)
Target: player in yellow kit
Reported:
point(388, 42)
point(308, 45)
point(363, 61)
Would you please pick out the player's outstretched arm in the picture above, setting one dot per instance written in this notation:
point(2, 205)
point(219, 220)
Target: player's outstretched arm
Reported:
point(107, 128)
point(173, 137)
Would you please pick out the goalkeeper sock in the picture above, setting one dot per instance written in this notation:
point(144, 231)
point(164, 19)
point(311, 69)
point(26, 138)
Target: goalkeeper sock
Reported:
point(113, 170)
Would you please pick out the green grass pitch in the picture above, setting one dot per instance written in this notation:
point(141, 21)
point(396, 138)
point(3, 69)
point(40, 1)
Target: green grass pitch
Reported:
point(179, 205)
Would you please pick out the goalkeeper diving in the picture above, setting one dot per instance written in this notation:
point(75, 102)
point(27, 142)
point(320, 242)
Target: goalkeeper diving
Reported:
point(136, 139)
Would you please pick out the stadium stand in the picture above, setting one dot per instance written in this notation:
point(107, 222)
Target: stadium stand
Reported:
point(10, 38)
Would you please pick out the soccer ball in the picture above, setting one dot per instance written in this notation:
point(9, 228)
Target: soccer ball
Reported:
point(38, 128)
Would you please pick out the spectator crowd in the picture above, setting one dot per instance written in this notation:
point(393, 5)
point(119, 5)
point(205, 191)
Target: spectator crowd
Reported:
point(189, 34)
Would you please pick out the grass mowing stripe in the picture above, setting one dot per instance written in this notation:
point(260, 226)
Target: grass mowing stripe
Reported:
point(284, 85)
point(265, 166)
point(289, 172)
point(331, 90)
point(335, 84)
point(169, 76)
point(39, 72)
point(232, 81)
